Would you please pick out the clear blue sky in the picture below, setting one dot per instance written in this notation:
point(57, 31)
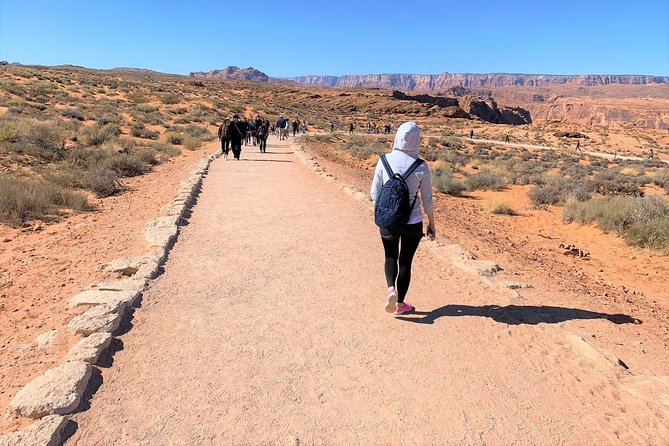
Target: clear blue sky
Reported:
point(287, 38)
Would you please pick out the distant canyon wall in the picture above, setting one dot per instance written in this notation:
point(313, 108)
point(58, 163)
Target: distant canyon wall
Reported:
point(436, 82)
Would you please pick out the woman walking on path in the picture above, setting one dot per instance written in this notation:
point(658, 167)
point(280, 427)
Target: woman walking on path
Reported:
point(400, 243)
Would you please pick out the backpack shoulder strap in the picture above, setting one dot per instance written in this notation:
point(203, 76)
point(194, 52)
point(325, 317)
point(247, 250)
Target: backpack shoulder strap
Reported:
point(387, 166)
point(412, 167)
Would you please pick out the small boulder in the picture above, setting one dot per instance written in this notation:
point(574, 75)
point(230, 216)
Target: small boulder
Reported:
point(58, 391)
point(100, 318)
point(88, 350)
point(99, 297)
point(45, 432)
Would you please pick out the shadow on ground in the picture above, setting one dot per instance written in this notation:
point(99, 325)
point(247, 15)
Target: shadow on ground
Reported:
point(516, 314)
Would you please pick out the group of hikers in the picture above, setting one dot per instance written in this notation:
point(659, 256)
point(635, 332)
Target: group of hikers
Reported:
point(371, 128)
point(233, 132)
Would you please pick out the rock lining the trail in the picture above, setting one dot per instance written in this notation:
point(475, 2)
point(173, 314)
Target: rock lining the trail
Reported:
point(100, 297)
point(45, 432)
point(58, 391)
point(88, 350)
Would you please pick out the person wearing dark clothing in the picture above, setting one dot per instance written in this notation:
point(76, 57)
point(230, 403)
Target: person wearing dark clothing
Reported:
point(236, 133)
point(350, 128)
point(225, 139)
point(261, 134)
point(295, 127)
point(471, 134)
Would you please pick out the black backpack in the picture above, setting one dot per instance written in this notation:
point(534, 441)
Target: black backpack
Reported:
point(394, 205)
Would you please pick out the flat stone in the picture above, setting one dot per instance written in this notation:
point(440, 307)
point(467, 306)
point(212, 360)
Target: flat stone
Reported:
point(99, 297)
point(121, 285)
point(44, 432)
point(88, 350)
point(58, 391)
point(159, 233)
point(101, 318)
point(126, 266)
point(46, 340)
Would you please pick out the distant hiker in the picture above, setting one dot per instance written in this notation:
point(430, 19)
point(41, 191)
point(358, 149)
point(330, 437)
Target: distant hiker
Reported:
point(578, 146)
point(506, 138)
point(402, 173)
point(279, 126)
point(225, 139)
point(652, 155)
point(286, 126)
point(386, 129)
point(471, 134)
point(350, 128)
point(256, 125)
point(332, 127)
point(295, 127)
point(303, 127)
point(261, 135)
point(236, 132)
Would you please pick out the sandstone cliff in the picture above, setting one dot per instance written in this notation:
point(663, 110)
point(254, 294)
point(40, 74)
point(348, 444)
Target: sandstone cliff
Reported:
point(435, 82)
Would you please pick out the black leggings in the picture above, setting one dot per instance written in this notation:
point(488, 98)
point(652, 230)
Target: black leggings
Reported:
point(225, 145)
point(398, 261)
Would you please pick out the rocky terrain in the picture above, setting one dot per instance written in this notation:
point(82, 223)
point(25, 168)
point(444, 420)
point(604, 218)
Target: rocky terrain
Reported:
point(233, 73)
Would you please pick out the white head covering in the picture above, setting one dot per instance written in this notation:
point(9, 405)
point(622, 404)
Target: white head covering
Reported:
point(407, 139)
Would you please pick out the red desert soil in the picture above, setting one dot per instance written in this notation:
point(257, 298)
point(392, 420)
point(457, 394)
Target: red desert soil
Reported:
point(617, 278)
point(41, 267)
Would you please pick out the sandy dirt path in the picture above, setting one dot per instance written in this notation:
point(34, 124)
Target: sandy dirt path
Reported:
point(268, 327)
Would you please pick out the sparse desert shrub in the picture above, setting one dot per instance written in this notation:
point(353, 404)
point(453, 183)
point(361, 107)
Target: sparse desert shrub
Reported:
point(140, 131)
point(486, 179)
point(99, 134)
point(165, 148)
point(608, 182)
point(652, 234)
point(191, 142)
point(499, 206)
point(103, 182)
point(173, 138)
point(660, 178)
point(73, 113)
point(616, 213)
point(45, 135)
point(137, 97)
point(125, 164)
point(171, 98)
point(23, 200)
point(146, 108)
point(444, 182)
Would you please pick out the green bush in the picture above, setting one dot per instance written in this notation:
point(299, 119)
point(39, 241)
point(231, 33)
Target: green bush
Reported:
point(139, 131)
point(170, 98)
point(165, 148)
point(652, 234)
point(99, 134)
point(125, 164)
point(24, 200)
point(486, 179)
point(73, 113)
point(173, 138)
point(616, 213)
point(192, 143)
point(103, 182)
point(660, 178)
point(444, 182)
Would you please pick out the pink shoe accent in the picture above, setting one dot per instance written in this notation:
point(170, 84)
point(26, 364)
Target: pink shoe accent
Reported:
point(403, 308)
point(391, 300)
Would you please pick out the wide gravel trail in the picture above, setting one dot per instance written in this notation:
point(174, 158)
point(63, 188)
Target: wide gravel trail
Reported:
point(268, 327)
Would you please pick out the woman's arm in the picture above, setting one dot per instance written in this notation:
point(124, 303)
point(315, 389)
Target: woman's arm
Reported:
point(377, 182)
point(428, 204)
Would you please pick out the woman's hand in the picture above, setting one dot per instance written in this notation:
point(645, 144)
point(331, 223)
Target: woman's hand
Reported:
point(431, 232)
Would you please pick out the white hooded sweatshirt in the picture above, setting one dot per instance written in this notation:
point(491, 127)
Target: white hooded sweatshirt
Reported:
point(405, 152)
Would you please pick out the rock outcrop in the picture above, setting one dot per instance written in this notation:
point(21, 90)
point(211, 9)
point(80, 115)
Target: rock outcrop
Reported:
point(444, 81)
point(233, 73)
point(485, 109)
